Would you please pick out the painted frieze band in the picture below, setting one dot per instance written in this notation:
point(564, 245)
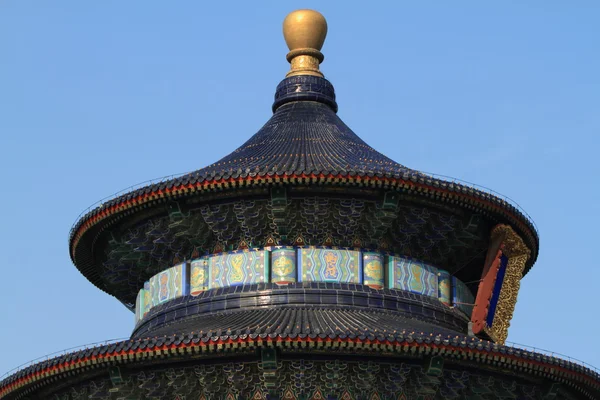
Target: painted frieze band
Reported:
point(284, 265)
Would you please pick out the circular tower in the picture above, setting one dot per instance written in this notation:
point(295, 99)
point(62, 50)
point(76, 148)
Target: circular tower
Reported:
point(307, 265)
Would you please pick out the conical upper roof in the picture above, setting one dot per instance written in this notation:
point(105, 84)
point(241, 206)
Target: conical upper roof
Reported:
point(304, 136)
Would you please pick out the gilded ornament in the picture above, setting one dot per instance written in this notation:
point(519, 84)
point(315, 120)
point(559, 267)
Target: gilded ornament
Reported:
point(374, 270)
point(236, 262)
point(517, 253)
point(198, 277)
point(283, 266)
point(331, 269)
point(304, 32)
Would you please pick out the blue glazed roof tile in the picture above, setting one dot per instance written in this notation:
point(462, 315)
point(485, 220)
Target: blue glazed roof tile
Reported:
point(304, 136)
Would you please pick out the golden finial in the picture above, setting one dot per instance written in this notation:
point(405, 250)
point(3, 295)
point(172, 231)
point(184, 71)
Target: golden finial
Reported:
point(304, 32)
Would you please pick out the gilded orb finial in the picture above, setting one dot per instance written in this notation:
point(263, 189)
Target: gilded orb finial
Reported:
point(304, 32)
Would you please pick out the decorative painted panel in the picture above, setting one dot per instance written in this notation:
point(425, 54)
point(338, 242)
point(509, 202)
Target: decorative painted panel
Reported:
point(283, 265)
point(328, 265)
point(147, 298)
point(445, 287)
point(139, 305)
point(238, 268)
point(373, 270)
point(290, 264)
point(462, 297)
point(198, 276)
point(413, 276)
point(168, 285)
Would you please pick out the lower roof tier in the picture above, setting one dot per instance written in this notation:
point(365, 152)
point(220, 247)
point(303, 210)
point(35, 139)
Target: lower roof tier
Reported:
point(302, 308)
point(267, 374)
point(418, 361)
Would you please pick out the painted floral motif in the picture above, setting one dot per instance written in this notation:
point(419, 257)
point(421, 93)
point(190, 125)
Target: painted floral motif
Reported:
point(198, 277)
point(283, 266)
point(374, 270)
point(331, 268)
point(163, 293)
point(237, 274)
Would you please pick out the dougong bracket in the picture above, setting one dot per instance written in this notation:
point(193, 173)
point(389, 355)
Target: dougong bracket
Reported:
point(279, 205)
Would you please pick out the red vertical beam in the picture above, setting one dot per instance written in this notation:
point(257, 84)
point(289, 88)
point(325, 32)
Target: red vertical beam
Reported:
point(486, 285)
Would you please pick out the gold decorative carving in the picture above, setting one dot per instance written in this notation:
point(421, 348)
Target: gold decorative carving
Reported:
point(304, 65)
point(517, 253)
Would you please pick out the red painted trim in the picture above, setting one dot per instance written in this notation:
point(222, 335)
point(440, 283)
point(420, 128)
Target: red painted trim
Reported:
point(378, 181)
point(472, 353)
point(485, 292)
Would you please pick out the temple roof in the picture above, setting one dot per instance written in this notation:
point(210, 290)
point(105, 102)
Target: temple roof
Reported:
point(304, 136)
point(302, 308)
point(289, 321)
point(373, 330)
point(304, 143)
point(414, 341)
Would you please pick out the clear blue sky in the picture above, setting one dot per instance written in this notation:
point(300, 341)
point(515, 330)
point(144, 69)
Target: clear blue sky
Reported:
point(97, 96)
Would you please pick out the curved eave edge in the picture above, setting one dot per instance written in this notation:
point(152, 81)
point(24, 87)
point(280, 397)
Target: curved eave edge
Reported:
point(467, 197)
point(175, 348)
point(440, 190)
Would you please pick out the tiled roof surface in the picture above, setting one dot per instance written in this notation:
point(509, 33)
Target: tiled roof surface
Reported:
point(370, 329)
point(322, 331)
point(304, 142)
point(291, 321)
point(304, 137)
point(303, 307)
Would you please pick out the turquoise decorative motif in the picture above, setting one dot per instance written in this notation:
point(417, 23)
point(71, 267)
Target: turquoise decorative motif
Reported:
point(198, 276)
point(413, 276)
point(168, 285)
point(329, 265)
point(444, 287)
point(238, 268)
point(139, 305)
point(373, 270)
point(285, 265)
